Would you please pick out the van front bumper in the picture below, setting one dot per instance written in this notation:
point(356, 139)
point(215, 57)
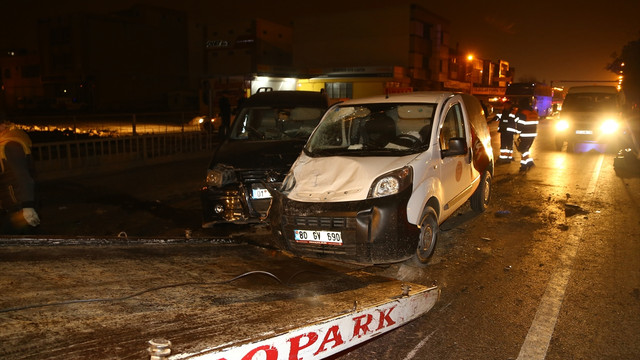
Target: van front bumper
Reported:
point(371, 231)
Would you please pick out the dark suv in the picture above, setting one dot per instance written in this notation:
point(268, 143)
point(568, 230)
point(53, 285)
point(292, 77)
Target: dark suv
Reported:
point(265, 139)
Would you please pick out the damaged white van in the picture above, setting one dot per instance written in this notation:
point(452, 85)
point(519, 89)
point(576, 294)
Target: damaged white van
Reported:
point(379, 175)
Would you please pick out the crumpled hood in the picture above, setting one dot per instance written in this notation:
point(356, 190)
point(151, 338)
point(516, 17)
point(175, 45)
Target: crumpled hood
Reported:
point(258, 154)
point(339, 178)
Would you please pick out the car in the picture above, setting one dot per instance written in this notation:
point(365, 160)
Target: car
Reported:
point(379, 175)
point(591, 116)
point(265, 138)
point(206, 124)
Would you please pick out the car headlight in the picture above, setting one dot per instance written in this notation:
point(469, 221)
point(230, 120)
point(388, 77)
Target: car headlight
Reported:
point(220, 175)
point(609, 126)
point(562, 125)
point(391, 183)
point(200, 120)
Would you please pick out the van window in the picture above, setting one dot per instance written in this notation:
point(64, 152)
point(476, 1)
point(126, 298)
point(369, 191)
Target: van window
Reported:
point(453, 126)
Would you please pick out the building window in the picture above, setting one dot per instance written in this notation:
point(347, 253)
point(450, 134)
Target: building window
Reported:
point(31, 71)
point(339, 90)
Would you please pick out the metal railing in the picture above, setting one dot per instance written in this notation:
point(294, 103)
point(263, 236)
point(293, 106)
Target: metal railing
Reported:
point(75, 157)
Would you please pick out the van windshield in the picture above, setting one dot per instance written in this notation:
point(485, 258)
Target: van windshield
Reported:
point(373, 130)
point(275, 123)
point(590, 102)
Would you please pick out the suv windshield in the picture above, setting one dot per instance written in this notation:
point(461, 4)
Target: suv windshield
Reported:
point(373, 129)
point(270, 123)
point(589, 102)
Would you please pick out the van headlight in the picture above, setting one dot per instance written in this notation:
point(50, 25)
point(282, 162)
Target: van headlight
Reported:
point(391, 183)
point(562, 125)
point(220, 175)
point(609, 126)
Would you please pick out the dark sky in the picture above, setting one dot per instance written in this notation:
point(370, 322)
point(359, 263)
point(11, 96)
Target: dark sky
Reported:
point(545, 40)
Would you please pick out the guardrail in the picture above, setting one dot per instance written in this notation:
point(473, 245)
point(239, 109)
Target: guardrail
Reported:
point(76, 157)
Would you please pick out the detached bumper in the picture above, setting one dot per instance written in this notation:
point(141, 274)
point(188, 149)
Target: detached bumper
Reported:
point(371, 231)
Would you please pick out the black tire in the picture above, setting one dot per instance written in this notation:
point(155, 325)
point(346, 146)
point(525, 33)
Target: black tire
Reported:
point(481, 197)
point(429, 234)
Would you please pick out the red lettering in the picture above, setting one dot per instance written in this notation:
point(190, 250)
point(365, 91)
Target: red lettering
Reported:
point(385, 318)
point(359, 327)
point(295, 344)
point(270, 352)
point(332, 335)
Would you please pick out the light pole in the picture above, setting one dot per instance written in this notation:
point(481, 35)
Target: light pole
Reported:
point(470, 72)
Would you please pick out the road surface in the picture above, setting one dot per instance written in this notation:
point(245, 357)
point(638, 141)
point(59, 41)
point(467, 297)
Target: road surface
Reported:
point(550, 271)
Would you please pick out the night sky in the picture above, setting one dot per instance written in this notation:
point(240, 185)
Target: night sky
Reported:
point(544, 40)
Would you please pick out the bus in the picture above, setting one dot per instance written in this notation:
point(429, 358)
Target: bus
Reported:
point(542, 93)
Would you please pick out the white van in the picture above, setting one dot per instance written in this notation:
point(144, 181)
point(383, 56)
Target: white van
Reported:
point(379, 175)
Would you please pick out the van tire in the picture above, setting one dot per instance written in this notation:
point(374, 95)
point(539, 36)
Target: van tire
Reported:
point(481, 197)
point(429, 234)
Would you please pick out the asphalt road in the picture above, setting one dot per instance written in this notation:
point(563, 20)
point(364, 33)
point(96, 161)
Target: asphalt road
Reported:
point(550, 271)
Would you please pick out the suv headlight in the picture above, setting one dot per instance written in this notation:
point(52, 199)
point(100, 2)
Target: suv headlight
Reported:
point(609, 126)
point(220, 175)
point(391, 183)
point(562, 125)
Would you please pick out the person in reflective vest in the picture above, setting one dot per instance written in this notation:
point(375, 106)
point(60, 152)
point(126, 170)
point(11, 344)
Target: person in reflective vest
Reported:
point(507, 129)
point(17, 186)
point(527, 127)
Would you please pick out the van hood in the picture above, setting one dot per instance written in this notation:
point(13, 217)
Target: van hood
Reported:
point(276, 155)
point(339, 178)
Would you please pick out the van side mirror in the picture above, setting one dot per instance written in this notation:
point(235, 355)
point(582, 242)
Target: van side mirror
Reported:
point(457, 146)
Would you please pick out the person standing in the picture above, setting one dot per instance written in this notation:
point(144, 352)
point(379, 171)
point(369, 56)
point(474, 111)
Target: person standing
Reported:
point(507, 129)
point(17, 185)
point(527, 127)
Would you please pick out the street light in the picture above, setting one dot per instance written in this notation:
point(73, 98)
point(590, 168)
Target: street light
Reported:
point(470, 72)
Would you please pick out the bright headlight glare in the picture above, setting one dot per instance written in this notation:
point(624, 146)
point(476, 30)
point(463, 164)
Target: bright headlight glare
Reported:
point(391, 183)
point(562, 125)
point(609, 126)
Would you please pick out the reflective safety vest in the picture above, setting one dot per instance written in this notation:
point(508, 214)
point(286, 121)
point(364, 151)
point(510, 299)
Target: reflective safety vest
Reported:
point(508, 122)
point(527, 123)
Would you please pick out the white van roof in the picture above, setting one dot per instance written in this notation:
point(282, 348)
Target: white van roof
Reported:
point(601, 89)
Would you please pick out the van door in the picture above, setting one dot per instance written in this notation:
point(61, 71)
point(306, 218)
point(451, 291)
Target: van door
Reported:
point(456, 165)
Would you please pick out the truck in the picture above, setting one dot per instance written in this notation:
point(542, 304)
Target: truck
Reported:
point(186, 298)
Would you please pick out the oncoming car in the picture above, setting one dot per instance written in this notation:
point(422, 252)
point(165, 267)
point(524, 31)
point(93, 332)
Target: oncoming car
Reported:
point(591, 115)
point(379, 175)
point(265, 138)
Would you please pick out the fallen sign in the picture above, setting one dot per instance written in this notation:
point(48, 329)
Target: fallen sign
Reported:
point(96, 298)
point(331, 336)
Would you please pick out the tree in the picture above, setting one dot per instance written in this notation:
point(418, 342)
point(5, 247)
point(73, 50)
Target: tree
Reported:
point(628, 65)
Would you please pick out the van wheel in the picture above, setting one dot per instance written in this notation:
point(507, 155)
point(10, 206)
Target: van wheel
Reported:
point(482, 195)
point(429, 233)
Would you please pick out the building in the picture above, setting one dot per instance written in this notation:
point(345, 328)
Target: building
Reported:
point(21, 83)
point(372, 51)
point(239, 56)
point(133, 59)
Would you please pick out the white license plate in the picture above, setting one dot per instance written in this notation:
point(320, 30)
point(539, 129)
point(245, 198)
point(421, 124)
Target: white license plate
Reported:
point(318, 237)
point(260, 194)
point(584, 132)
